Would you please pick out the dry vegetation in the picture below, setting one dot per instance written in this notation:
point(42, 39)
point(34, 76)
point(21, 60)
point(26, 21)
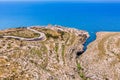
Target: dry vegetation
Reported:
point(21, 32)
point(101, 61)
point(52, 59)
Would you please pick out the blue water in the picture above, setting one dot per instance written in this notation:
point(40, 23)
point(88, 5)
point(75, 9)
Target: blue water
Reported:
point(91, 17)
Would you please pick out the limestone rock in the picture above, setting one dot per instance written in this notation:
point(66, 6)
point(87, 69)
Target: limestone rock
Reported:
point(101, 61)
point(51, 59)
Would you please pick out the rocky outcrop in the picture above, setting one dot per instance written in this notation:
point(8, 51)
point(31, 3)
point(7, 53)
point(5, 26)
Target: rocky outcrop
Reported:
point(101, 61)
point(51, 59)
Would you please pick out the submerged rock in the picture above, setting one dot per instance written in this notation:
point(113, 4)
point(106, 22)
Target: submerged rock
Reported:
point(53, 58)
point(101, 61)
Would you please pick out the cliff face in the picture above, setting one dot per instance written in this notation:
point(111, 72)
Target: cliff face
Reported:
point(50, 55)
point(101, 61)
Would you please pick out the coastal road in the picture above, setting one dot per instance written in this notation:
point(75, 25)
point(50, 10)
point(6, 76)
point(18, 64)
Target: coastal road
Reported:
point(41, 37)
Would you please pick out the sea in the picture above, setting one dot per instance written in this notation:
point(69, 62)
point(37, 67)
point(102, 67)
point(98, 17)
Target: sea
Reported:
point(89, 16)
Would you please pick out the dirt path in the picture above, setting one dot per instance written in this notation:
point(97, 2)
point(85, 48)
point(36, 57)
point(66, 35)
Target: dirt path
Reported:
point(41, 37)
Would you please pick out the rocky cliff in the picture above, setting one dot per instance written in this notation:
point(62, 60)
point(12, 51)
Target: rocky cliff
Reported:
point(101, 61)
point(41, 53)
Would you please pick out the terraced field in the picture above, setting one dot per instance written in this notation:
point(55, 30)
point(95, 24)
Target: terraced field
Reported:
point(20, 32)
point(108, 44)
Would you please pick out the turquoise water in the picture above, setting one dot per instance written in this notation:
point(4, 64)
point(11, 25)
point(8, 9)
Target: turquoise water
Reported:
point(91, 17)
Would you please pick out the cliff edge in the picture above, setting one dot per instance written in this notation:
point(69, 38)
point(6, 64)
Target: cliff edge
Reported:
point(40, 53)
point(101, 60)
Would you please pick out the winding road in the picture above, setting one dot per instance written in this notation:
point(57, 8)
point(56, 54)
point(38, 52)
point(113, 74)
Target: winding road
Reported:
point(41, 37)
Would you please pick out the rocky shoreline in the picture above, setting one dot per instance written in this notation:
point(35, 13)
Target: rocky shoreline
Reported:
point(56, 57)
point(51, 59)
point(101, 60)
